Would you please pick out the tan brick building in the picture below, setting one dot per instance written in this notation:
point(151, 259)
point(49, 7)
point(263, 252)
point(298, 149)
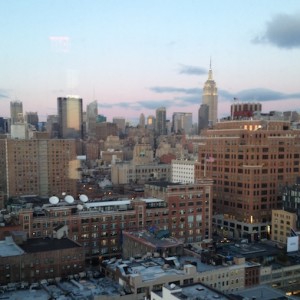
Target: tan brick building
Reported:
point(38, 167)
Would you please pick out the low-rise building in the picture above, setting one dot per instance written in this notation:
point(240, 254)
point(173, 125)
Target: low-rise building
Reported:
point(152, 241)
point(41, 258)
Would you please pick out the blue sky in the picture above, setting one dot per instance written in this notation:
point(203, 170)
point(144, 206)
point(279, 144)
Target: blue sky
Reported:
point(134, 56)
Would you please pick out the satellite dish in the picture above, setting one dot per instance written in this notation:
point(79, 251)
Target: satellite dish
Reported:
point(79, 207)
point(69, 199)
point(83, 198)
point(53, 200)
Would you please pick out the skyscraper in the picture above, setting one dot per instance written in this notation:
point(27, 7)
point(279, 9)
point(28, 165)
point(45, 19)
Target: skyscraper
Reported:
point(70, 117)
point(160, 127)
point(203, 117)
point(16, 112)
point(210, 97)
point(142, 121)
point(32, 118)
point(91, 118)
point(182, 122)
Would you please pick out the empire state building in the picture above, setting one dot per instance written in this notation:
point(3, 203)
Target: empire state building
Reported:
point(210, 98)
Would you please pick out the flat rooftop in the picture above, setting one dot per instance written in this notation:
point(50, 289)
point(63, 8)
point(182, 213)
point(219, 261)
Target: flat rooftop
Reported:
point(193, 291)
point(47, 244)
point(9, 248)
point(261, 292)
point(251, 250)
point(151, 240)
point(164, 183)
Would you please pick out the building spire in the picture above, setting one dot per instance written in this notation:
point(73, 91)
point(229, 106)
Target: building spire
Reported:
point(210, 76)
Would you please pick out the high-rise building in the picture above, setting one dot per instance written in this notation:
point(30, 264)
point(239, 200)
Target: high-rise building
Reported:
point(203, 117)
point(250, 161)
point(121, 124)
point(160, 124)
point(142, 121)
point(16, 112)
point(38, 167)
point(151, 122)
point(182, 122)
point(52, 126)
point(32, 118)
point(91, 118)
point(70, 117)
point(210, 97)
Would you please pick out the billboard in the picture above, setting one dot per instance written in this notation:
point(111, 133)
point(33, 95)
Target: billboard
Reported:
point(292, 243)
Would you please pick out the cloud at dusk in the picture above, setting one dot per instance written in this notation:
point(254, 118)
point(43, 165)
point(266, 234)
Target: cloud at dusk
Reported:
point(192, 70)
point(4, 94)
point(282, 31)
point(185, 97)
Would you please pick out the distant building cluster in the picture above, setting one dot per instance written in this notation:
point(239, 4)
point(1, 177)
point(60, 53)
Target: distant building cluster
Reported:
point(166, 209)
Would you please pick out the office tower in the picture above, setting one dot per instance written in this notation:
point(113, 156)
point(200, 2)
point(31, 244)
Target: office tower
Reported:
point(121, 124)
point(70, 117)
point(203, 117)
point(32, 118)
point(142, 121)
point(160, 124)
point(250, 161)
point(210, 98)
point(52, 126)
point(2, 125)
point(38, 167)
point(151, 122)
point(16, 112)
point(182, 122)
point(91, 119)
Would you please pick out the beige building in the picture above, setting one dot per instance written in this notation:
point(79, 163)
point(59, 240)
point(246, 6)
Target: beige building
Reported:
point(283, 222)
point(40, 167)
point(127, 172)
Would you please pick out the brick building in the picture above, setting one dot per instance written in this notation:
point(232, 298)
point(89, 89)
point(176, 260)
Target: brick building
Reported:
point(41, 258)
point(190, 208)
point(250, 161)
point(38, 167)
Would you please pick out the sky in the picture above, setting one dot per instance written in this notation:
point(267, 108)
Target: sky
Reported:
point(134, 56)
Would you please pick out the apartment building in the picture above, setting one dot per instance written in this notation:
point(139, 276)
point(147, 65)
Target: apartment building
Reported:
point(38, 167)
point(283, 224)
point(249, 161)
point(190, 208)
point(42, 258)
point(95, 225)
point(127, 172)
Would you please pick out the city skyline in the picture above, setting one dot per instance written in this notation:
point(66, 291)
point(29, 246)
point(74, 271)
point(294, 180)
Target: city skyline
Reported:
point(135, 56)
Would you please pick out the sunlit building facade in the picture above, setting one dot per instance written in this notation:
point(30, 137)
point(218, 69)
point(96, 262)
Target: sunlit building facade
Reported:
point(249, 161)
point(70, 117)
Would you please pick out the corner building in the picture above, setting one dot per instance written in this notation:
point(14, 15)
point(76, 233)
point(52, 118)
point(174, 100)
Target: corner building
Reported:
point(252, 161)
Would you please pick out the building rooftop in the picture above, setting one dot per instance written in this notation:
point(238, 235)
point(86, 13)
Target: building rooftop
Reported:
point(153, 240)
point(261, 292)
point(47, 244)
point(9, 248)
point(193, 291)
point(248, 250)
